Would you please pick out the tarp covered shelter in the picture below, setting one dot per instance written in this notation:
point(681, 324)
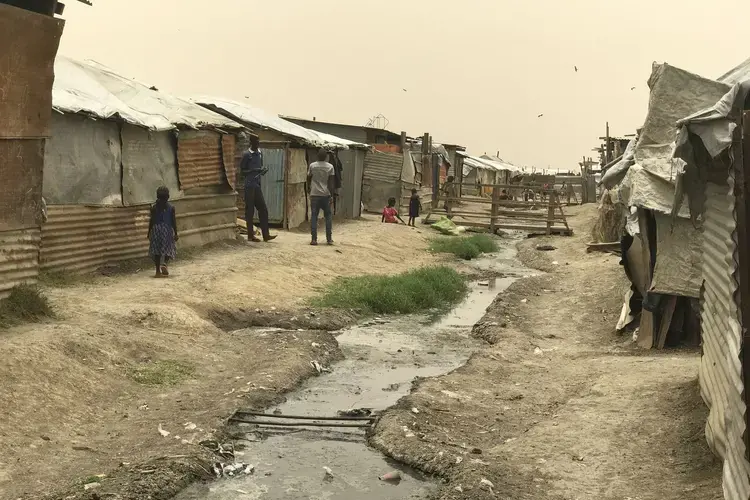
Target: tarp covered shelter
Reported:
point(288, 149)
point(113, 142)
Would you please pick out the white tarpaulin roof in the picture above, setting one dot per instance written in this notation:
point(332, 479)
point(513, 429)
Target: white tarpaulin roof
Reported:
point(93, 89)
point(472, 162)
point(265, 120)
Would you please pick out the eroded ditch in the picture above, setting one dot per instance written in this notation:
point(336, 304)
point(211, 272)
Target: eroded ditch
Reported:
point(382, 358)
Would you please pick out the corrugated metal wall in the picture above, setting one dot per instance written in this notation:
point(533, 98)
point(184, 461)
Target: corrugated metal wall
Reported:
point(19, 254)
point(381, 179)
point(199, 159)
point(80, 238)
point(228, 150)
point(721, 368)
point(272, 184)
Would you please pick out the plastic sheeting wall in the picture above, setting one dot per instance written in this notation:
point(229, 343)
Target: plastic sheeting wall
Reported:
point(82, 162)
point(678, 257)
point(296, 201)
point(721, 368)
point(148, 161)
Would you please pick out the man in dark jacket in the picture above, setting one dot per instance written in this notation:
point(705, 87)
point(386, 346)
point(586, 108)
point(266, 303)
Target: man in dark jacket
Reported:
point(252, 168)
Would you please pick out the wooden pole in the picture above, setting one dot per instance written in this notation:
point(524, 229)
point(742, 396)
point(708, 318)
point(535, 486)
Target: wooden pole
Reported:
point(403, 142)
point(495, 207)
point(551, 211)
point(607, 154)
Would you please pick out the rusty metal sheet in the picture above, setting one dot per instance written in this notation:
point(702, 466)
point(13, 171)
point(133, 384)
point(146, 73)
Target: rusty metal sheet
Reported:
point(78, 238)
point(228, 148)
point(29, 44)
point(19, 258)
point(21, 165)
point(199, 159)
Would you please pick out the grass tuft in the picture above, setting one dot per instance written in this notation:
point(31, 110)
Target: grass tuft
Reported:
point(25, 304)
point(410, 292)
point(465, 247)
point(164, 372)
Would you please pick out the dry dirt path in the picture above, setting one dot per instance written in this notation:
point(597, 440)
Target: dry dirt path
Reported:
point(71, 406)
point(558, 406)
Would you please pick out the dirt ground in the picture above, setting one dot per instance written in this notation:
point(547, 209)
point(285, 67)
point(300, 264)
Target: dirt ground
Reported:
point(557, 405)
point(74, 403)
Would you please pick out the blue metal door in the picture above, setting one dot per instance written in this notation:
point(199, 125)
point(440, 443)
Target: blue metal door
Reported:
point(273, 183)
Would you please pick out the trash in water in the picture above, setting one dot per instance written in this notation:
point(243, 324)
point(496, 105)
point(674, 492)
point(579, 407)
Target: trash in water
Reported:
point(391, 477)
point(523, 301)
point(163, 432)
point(459, 489)
point(538, 351)
point(476, 451)
point(190, 426)
point(315, 345)
point(392, 387)
point(91, 486)
point(555, 263)
point(329, 474)
point(355, 412)
point(486, 484)
point(231, 470)
point(415, 410)
point(318, 367)
point(545, 248)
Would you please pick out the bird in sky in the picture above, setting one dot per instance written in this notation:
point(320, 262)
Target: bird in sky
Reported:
point(404, 90)
point(539, 116)
point(576, 68)
point(632, 88)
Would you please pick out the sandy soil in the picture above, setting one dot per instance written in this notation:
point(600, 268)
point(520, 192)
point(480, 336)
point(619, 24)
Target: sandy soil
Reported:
point(557, 405)
point(72, 410)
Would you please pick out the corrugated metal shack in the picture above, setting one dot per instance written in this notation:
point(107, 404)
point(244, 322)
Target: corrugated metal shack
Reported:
point(714, 146)
point(288, 149)
point(382, 165)
point(113, 142)
point(29, 41)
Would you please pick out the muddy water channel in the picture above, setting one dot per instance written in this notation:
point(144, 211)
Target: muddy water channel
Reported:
point(382, 358)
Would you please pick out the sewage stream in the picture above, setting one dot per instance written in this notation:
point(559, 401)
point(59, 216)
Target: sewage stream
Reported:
point(382, 357)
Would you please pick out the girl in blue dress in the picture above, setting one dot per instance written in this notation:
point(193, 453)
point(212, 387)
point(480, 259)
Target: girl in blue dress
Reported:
point(162, 232)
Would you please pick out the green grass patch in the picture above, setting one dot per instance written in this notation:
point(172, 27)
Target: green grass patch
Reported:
point(164, 372)
point(410, 292)
point(25, 304)
point(465, 247)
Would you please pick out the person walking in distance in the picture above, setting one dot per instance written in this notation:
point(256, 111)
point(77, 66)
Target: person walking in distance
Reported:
point(321, 181)
point(253, 169)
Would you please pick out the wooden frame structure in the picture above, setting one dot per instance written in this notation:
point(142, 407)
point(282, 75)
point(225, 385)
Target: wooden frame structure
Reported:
point(496, 213)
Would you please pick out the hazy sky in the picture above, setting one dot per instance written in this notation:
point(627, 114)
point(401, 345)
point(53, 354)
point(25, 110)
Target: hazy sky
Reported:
point(476, 72)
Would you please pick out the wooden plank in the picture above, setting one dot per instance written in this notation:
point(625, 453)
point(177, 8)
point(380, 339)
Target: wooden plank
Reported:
point(646, 331)
point(666, 320)
point(493, 215)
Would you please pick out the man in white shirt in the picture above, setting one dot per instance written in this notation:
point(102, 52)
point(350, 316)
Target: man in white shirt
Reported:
point(321, 182)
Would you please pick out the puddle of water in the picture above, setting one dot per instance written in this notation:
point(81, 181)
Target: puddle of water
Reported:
point(382, 357)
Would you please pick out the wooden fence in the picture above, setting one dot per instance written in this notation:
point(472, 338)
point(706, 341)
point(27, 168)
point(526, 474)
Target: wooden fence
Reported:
point(502, 211)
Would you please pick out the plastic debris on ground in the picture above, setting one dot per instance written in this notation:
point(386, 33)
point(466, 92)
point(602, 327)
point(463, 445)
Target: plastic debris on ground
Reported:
point(391, 477)
point(447, 226)
point(231, 470)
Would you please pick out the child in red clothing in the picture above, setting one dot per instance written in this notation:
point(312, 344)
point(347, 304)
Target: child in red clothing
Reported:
point(390, 214)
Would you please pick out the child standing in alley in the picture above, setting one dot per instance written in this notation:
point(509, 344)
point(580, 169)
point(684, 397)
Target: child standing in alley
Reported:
point(390, 214)
point(162, 232)
point(415, 205)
